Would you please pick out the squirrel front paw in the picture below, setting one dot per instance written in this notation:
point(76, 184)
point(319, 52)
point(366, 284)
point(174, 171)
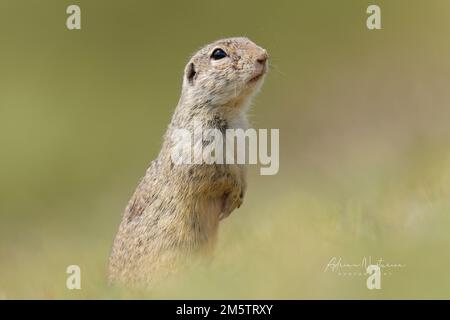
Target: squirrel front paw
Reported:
point(231, 201)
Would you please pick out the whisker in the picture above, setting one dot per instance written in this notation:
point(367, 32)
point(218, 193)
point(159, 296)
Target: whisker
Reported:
point(275, 68)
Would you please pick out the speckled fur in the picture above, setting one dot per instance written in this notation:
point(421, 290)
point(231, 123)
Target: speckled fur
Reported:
point(174, 213)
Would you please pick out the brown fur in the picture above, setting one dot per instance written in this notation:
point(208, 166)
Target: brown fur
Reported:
point(175, 211)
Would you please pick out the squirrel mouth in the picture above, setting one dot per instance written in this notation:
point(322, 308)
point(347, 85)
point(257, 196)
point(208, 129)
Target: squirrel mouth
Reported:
point(257, 77)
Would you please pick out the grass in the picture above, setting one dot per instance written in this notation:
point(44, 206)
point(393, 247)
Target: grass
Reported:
point(276, 246)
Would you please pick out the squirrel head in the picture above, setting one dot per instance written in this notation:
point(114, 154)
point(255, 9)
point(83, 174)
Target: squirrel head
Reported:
point(226, 72)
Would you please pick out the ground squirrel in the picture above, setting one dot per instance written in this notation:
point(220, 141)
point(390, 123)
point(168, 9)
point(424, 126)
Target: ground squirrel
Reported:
point(175, 211)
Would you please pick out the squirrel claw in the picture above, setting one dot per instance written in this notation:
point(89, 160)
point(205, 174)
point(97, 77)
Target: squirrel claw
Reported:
point(230, 203)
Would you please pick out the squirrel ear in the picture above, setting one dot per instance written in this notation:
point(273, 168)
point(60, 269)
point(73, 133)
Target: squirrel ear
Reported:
point(190, 73)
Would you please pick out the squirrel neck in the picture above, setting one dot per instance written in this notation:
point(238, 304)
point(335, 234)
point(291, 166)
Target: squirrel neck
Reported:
point(212, 115)
point(190, 113)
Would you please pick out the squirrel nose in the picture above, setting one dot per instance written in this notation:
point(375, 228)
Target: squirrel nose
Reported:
point(262, 58)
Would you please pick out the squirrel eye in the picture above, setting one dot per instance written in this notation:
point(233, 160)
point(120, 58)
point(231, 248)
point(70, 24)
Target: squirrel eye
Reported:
point(218, 54)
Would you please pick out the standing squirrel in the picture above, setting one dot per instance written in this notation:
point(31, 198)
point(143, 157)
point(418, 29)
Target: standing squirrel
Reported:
point(175, 211)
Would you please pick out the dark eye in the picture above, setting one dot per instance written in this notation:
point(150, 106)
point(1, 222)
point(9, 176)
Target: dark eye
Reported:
point(218, 54)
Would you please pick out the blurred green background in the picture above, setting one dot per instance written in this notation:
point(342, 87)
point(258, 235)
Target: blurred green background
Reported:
point(364, 143)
